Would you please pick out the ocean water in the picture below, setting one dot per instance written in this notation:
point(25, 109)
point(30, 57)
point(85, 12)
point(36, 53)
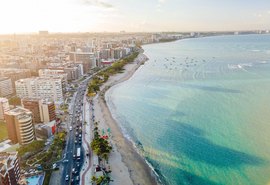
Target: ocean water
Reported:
point(199, 110)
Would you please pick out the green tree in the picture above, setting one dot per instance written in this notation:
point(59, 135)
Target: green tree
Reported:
point(14, 101)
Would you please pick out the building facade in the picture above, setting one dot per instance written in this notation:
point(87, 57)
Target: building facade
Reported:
point(15, 74)
point(87, 59)
point(10, 172)
point(4, 107)
point(20, 126)
point(44, 88)
point(33, 104)
point(6, 88)
point(43, 111)
point(47, 110)
point(57, 73)
point(74, 71)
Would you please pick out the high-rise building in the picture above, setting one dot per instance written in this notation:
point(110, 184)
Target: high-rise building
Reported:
point(47, 110)
point(87, 59)
point(43, 111)
point(44, 88)
point(5, 87)
point(33, 104)
point(10, 172)
point(74, 71)
point(20, 126)
point(4, 107)
point(53, 73)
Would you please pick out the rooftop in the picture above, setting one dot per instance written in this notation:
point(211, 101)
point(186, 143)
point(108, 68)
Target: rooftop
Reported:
point(3, 78)
point(6, 161)
point(3, 100)
point(17, 111)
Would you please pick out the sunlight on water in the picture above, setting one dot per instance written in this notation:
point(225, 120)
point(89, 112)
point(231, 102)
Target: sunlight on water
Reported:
point(199, 110)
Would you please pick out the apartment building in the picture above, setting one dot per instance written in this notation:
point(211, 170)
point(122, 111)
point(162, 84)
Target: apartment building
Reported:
point(5, 87)
point(40, 87)
point(10, 172)
point(4, 107)
point(43, 111)
point(20, 126)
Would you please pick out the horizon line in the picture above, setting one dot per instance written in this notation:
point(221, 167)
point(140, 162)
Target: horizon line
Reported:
point(129, 32)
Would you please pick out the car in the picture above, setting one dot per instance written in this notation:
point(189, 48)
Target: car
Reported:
point(65, 161)
point(70, 128)
point(54, 165)
point(67, 178)
point(73, 170)
point(78, 178)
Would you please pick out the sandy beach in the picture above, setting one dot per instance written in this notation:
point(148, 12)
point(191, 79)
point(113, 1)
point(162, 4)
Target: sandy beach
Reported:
point(127, 166)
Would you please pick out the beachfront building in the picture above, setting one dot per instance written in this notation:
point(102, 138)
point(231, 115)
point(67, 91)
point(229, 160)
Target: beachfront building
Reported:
point(87, 59)
point(5, 87)
point(10, 172)
point(20, 126)
point(4, 107)
point(74, 71)
point(44, 88)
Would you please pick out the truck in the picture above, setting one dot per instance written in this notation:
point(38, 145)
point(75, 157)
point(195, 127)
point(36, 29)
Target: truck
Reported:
point(78, 153)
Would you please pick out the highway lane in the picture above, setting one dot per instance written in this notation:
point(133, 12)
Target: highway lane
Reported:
point(71, 147)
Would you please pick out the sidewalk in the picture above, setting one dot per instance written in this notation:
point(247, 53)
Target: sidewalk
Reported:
point(86, 172)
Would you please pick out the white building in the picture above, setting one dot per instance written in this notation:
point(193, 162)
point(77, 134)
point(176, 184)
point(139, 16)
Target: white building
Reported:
point(4, 107)
point(53, 73)
point(44, 88)
point(5, 87)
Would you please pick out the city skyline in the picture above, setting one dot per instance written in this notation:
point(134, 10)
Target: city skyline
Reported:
point(29, 16)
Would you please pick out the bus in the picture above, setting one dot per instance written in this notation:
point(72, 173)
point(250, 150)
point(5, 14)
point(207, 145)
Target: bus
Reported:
point(78, 153)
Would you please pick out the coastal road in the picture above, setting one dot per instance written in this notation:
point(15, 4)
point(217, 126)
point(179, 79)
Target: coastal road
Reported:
point(71, 147)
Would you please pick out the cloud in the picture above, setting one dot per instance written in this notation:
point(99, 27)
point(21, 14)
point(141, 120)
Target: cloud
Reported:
point(98, 3)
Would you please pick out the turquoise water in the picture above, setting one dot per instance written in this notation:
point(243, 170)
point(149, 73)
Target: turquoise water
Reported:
point(199, 110)
point(35, 180)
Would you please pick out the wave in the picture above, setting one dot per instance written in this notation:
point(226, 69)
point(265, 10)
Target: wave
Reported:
point(137, 145)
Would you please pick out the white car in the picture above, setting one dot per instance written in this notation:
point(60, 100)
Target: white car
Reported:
point(70, 128)
point(67, 177)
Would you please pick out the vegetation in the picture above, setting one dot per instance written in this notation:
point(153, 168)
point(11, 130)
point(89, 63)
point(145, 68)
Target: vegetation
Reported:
point(103, 76)
point(167, 40)
point(34, 152)
point(47, 177)
point(101, 180)
point(32, 148)
point(55, 151)
point(99, 145)
point(14, 101)
point(3, 131)
point(64, 107)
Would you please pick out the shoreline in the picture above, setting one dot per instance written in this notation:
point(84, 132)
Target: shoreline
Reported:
point(138, 169)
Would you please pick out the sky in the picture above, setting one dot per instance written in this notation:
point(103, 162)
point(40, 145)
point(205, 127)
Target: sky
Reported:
point(27, 16)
